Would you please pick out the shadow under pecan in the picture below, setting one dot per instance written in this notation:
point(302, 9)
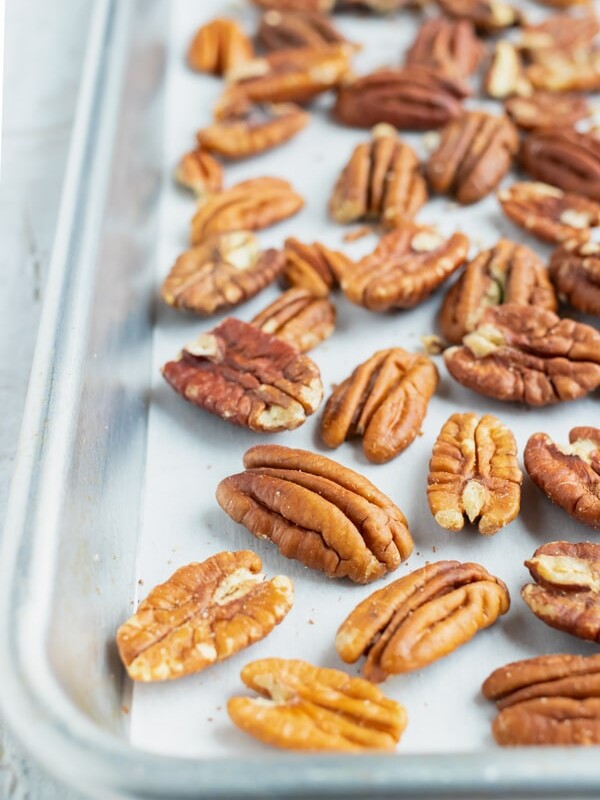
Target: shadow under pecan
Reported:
point(488, 16)
point(547, 110)
point(421, 618)
point(203, 614)
point(200, 172)
point(382, 181)
point(527, 355)
point(218, 47)
point(474, 472)
point(564, 158)
point(384, 401)
point(575, 272)
point(569, 474)
point(247, 377)
point(313, 267)
point(560, 32)
point(299, 318)
point(407, 265)
point(302, 707)
point(447, 45)
point(279, 30)
point(318, 512)
point(223, 271)
point(506, 273)
point(564, 71)
point(474, 154)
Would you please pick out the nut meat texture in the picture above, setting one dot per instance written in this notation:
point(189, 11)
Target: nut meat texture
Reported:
point(447, 45)
point(575, 271)
point(279, 30)
point(200, 172)
point(488, 16)
point(547, 110)
point(219, 47)
point(564, 158)
point(420, 618)
point(299, 318)
point(302, 707)
point(474, 473)
point(313, 267)
point(317, 511)
point(203, 614)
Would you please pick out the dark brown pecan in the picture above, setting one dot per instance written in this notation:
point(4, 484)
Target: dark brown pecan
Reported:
point(247, 377)
point(527, 355)
point(568, 475)
point(412, 98)
point(547, 110)
point(407, 265)
point(564, 158)
point(324, 6)
point(299, 318)
point(575, 271)
point(317, 511)
point(375, 6)
point(313, 266)
point(505, 75)
point(452, 47)
point(200, 172)
point(219, 47)
point(474, 154)
point(507, 273)
point(381, 181)
point(384, 401)
point(279, 30)
point(549, 721)
point(488, 16)
point(420, 618)
point(564, 71)
point(560, 32)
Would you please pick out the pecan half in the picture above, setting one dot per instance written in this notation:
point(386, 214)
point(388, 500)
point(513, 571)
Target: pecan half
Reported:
point(452, 47)
point(547, 110)
point(204, 613)
point(560, 32)
point(219, 46)
point(474, 154)
point(507, 273)
point(317, 511)
point(474, 472)
point(384, 401)
point(564, 71)
point(247, 377)
point(566, 594)
point(549, 213)
point(527, 355)
point(279, 30)
point(420, 618)
point(251, 205)
point(375, 6)
point(564, 158)
point(299, 318)
point(505, 75)
point(223, 271)
point(302, 707)
point(488, 16)
point(575, 271)
point(296, 5)
point(407, 265)
point(381, 181)
point(313, 266)
point(412, 98)
point(200, 172)
point(570, 474)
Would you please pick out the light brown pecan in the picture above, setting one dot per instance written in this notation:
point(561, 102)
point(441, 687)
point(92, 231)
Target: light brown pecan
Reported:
point(507, 273)
point(488, 16)
point(474, 154)
point(204, 613)
point(382, 181)
point(218, 47)
point(302, 707)
point(547, 110)
point(407, 265)
point(384, 401)
point(505, 74)
point(528, 355)
point(452, 47)
point(223, 271)
point(549, 721)
point(299, 318)
point(560, 32)
point(251, 205)
point(564, 158)
point(313, 267)
point(317, 511)
point(324, 6)
point(247, 377)
point(575, 272)
point(564, 3)
point(564, 71)
point(412, 98)
point(420, 618)
point(279, 30)
point(570, 474)
point(200, 172)
point(474, 472)
point(549, 213)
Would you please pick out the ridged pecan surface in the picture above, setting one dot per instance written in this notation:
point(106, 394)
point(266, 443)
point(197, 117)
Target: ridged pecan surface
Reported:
point(488, 16)
point(200, 172)
point(564, 71)
point(279, 30)
point(299, 318)
point(447, 45)
point(547, 110)
point(560, 32)
point(218, 47)
point(564, 158)
point(313, 266)
point(575, 271)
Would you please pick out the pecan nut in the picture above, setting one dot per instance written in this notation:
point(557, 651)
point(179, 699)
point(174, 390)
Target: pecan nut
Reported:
point(564, 158)
point(449, 46)
point(569, 474)
point(223, 271)
point(505, 75)
point(203, 614)
point(563, 71)
point(247, 377)
point(299, 318)
point(547, 110)
point(302, 707)
point(507, 273)
point(381, 181)
point(420, 618)
point(317, 511)
point(279, 30)
point(575, 272)
point(474, 472)
point(528, 355)
point(218, 47)
point(375, 6)
point(324, 6)
point(488, 16)
point(384, 401)
point(559, 32)
point(251, 205)
point(313, 267)
point(407, 265)
point(474, 154)
point(200, 172)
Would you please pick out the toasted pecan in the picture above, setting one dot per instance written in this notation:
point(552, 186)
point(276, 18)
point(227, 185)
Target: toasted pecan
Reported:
point(448, 45)
point(200, 172)
point(575, 268)
point(564, 158)
point(299, 318)
point(219, 46)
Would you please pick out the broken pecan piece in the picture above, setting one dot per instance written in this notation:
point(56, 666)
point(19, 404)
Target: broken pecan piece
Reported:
point(303, 707)
point(223, 271)
point(474, 154)
point(474, 472)
point(280, 30)
point(570, 474)
point(560, 32)
point(527, 355)
point(317, 511)
point(247, 377)
point(219, 46)
point(381, 181)
point(506, 273)
point(547, 110)
point(452, 47)
point(488, 16)
point(420, 618)
point(564, 158)
point(505, 75)
point(313, 266)
point(575, 272)
point(384, 401)
point(200, 172)
point(204, 613)
point(299, 318)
